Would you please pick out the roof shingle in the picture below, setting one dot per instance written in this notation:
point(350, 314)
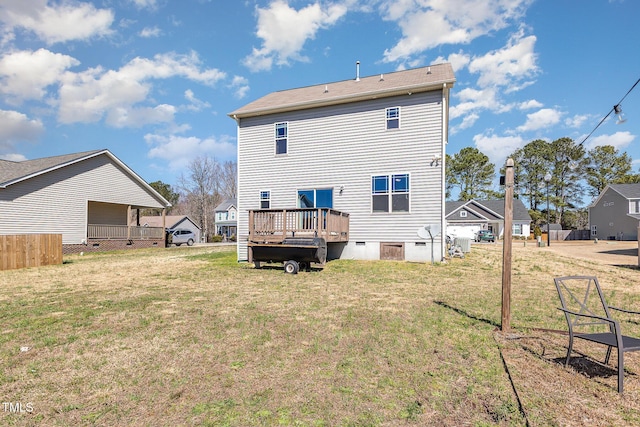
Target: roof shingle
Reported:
point(415, 80)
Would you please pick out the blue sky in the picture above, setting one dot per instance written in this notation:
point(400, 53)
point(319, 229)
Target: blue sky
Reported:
point(153, 80)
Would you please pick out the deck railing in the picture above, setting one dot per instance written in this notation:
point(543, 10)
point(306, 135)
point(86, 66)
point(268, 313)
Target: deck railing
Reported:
point(123, 232)
point(275, 225)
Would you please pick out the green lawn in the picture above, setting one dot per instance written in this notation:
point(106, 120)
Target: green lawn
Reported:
point(187, 336)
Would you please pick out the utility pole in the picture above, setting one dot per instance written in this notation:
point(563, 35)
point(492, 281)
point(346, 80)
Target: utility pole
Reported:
point(506, 247)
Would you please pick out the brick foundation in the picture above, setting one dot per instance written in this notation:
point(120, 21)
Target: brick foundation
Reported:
point(111, 245)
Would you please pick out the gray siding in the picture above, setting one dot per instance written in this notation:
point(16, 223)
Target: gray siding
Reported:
point(345, 145)
point(610, 216)
point(57, 202)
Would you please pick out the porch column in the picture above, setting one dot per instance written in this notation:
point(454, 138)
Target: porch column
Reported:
point(129, 222)
point(164, 219)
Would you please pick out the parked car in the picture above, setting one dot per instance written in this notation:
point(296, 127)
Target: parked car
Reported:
point(180, 236)
point(485, 236)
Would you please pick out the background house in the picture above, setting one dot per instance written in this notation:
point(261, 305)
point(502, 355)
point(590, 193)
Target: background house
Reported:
point(371, 147)
point(226, 218)
point(615, 214)
point(466, 218)
point(172, 222)
point(87, 197)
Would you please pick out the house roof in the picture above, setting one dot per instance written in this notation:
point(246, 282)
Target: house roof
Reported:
point(171, 221)
point(14, 172)
point(224, 206)
point(379, 86)
point(629, 191)
point(489, 209)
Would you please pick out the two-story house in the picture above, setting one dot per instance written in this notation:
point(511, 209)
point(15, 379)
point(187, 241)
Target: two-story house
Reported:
point(372, 147)
point(615, 214)
point(226, 218)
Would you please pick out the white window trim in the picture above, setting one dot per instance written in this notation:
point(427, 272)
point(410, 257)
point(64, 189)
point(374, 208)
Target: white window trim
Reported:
point(463, 214)
point(390, 193)
point(275, 139)
point(386, 119)
point(260, 199)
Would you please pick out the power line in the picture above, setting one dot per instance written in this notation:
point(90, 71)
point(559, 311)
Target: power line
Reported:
point(616, 108)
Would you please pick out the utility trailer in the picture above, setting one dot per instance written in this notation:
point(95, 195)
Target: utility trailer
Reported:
point(295, 237)
point(295, 252)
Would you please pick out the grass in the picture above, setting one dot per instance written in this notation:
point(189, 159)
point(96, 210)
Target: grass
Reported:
point(187, 336)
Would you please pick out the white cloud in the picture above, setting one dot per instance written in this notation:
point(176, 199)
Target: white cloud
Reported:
point(542, 118)
point(530, 104)
point(504, 67)
point(58, 22)
point(468, 121)
point(150, 32)
point(458, 60)
point(240, 85)
point(178, 151)
point(149, 4)
point(284, 31)
point(26, 74)
point(13, 157)
point(619, 140)
point(195, 103)
point(90, 95)
point(577, 121)
point(497, 148)
point(473, 100)
point(429, 23)
point(17, 127)
point(121, 117)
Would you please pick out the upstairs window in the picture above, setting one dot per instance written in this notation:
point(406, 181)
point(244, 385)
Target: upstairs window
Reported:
point(390, 193)
point(282, 132)
point(463, 214)
point(393, 118)
point(265, 200)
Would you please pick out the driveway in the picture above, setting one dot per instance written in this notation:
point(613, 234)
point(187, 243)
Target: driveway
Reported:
point(606, 252)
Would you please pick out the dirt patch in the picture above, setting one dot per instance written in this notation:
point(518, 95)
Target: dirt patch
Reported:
point(608, 253)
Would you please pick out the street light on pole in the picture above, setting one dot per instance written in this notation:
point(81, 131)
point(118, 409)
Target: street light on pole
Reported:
point(547, 179)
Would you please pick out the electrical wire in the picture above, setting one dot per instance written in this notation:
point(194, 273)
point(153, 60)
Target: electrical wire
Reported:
point(609, 113)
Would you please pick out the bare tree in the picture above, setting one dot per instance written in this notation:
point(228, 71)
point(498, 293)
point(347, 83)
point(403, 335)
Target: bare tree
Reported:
point(229, 180)
point(201, 191)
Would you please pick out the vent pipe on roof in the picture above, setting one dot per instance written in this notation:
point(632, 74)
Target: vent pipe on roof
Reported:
point(428, 70)
point(381, 77)
point(357, 71)
point(326, 88)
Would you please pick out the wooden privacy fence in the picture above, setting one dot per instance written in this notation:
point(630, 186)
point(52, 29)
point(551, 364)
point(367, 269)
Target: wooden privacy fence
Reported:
point(30, 250)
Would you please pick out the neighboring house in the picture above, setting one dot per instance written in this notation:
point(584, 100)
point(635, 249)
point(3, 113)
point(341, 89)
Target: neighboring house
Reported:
point(466, 218)
point(87, 197)
point(226, 218)
point(172, 222)
point(615, 214)
point(371, 147)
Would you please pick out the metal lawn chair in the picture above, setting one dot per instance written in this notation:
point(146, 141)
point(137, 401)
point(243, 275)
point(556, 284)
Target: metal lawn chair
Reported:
point(589, 318)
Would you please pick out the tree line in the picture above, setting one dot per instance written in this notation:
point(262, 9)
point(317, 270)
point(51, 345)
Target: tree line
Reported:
point(205, 184)
point(574, 175)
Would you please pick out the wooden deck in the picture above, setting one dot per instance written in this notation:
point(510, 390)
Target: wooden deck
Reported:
point(275, 225)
